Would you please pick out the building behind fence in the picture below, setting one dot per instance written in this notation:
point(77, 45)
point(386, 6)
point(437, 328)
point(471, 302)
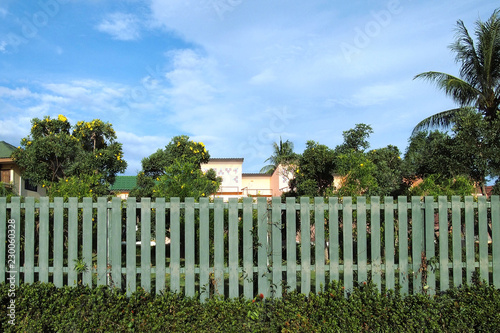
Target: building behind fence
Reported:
point(252, 246)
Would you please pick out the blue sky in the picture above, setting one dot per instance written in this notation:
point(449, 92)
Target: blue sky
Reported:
point(235, 74)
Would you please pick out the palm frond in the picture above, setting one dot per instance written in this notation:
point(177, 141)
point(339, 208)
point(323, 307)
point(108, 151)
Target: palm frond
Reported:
point(442, 119)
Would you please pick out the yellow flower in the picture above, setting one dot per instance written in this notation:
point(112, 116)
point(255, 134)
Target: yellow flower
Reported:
point(361, 165)
point(203, 194)
point(90, 191)
point(62, 118)
point(157, 178)
point(66, 180)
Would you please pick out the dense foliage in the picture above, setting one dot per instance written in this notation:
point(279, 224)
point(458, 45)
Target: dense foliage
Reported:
point(45, 308)
point(56, 153)
point(176, 172)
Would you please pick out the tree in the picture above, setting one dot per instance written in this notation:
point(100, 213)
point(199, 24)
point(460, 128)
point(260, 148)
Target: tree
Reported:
point(282, 154)
point(51, 154)
point(388, 170)
point(314, 173)
point(355, 139)
point(176, 171)
point(479, 83)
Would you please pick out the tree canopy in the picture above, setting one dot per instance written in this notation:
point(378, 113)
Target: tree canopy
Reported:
point(176, 172)
point(55, 151)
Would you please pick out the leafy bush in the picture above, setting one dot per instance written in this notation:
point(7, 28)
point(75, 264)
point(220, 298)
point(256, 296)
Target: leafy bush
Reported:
point(45, 308)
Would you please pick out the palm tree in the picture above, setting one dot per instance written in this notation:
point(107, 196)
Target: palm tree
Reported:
point(283, 154)
point(479, 82)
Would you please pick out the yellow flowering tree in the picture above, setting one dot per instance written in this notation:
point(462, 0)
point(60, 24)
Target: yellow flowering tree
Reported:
point(55, 151)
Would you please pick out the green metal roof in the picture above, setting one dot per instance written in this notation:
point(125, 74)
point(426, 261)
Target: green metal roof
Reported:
point(124, 183)
point(6, 149)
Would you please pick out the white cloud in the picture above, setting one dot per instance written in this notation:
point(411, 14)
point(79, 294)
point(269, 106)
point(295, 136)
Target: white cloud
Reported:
point(18, 93)
point(121, 26)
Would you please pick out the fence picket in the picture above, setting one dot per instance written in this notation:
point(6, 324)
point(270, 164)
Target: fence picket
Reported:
point(102, 242)
point(495, 236)
point(348, 246)
point(404, 277)
point(115, 242)
point(3, 236)
point(291, 244)
point(362, 250)
point(248, 234)
point(16, 216)
point(175, 245)
point(29, 232)
point(456, 224)
point(376, 257)
point(86, 241)
point(218, 279)
point(444, 271)
point(189, 249)
point(72, 240)
point(233, 248)
point(58, 242)
point(469, 239)
point(43, 242)
point(146, 244)
point(429, 244)
point(319, 245)
point(160, 245)
point(131, 251)
point(417, 244)
point(262, 221)
point(389, 242)
point(333, 223)
point(483, 238)
point(305, 246)
point(204, 250)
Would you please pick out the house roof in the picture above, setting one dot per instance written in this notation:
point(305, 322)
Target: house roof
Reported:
point(228, 159)
point(250, 174)
point(6, 149)
point(124, 183)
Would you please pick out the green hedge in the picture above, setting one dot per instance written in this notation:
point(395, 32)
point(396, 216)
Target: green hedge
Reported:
point(45, 308)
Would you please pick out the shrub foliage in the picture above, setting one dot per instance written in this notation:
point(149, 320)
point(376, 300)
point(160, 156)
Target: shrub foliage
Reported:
point(45, 308)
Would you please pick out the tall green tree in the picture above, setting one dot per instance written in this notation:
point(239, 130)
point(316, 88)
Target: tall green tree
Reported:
point(282, 154)
point(315, 169)
point(53, 153)
point(478, 85)
point(176, 172)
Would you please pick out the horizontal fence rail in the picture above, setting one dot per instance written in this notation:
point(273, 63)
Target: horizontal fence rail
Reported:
point(250, 246)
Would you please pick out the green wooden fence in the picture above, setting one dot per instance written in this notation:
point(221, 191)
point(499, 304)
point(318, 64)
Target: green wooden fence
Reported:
point(251, 246)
